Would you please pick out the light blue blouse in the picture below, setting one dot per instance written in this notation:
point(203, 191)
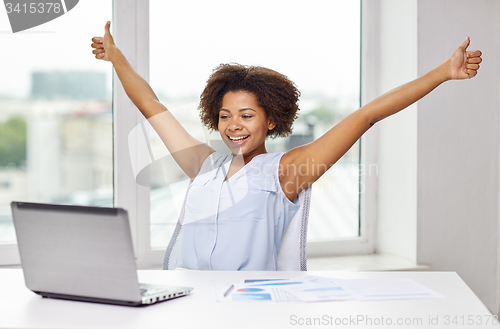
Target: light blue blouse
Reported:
point(253, 213)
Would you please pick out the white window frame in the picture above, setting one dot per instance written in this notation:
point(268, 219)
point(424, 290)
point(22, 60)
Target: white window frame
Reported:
point(131, 33)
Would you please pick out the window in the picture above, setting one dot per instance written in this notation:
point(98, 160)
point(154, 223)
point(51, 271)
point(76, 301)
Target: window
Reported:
point(311, 43)
point(71, 140)
point(55, 116)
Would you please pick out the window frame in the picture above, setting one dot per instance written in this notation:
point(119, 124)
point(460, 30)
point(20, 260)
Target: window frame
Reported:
point(132, 22)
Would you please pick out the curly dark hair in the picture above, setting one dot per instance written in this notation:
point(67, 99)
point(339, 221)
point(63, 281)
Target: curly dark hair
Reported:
point(275, 93)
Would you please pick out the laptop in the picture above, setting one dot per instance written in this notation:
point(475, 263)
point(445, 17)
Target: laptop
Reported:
point(82, 253)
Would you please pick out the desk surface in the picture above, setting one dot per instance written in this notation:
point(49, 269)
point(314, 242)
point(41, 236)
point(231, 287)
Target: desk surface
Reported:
point(19, 307)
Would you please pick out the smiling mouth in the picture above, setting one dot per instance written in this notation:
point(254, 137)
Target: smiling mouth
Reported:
point(238, 139)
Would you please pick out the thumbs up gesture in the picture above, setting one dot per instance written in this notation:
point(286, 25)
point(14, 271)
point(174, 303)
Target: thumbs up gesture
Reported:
point(464, 64)
point(103, 45)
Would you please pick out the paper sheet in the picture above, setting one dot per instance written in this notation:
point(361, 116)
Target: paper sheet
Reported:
point(313, 288)
point(256, 290)
point(378, 289)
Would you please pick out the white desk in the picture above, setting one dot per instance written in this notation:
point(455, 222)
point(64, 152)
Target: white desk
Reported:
point(19, 307)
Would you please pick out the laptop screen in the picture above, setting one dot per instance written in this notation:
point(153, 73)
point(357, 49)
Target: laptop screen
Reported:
point(75, 250)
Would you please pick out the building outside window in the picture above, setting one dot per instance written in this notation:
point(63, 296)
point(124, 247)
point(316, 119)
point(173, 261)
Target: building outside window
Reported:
point(55, 115)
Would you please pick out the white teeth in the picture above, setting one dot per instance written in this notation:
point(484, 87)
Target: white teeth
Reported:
point(237, 138)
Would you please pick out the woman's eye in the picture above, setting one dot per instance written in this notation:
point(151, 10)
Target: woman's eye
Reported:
point(223, 116)
point(247, 116)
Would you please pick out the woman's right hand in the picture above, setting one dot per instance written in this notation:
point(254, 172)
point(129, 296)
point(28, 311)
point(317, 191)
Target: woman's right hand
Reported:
point(189, 152)
point(102, 45)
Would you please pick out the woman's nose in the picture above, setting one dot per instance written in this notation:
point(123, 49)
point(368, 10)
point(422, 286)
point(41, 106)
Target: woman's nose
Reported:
point(234, 125)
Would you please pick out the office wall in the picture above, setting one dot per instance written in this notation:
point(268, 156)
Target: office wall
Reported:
point(458, 148)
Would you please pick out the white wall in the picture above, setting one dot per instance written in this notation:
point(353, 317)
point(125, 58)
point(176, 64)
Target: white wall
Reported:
point(438, 187)
point(458, 148)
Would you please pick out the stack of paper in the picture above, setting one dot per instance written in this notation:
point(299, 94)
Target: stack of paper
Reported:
point(313, 288)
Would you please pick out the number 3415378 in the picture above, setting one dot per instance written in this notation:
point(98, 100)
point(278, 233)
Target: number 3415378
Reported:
point(34, 8)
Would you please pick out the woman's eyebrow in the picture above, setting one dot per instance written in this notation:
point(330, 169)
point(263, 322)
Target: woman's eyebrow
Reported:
point(243, 109)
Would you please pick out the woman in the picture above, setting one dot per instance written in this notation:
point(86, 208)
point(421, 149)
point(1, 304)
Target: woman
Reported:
point(239, 204)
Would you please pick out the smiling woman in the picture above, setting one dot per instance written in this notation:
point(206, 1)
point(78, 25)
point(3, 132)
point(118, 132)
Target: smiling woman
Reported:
point(303, 41)
point(272, 92)
point(243, 124)
point(253, 242)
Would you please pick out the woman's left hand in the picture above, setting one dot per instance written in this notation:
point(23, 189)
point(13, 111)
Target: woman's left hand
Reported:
point(464, 64)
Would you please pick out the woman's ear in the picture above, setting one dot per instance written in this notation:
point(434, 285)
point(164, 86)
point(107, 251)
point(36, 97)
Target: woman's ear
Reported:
point(271, 124)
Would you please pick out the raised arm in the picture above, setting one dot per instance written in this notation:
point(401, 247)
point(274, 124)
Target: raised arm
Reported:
point(319, 155)
point(187, 151)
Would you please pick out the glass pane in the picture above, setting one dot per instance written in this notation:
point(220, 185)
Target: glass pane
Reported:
point(315, 44)
point(55, 114)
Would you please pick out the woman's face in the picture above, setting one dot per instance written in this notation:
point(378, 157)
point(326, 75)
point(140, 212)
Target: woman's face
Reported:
point(243, 124)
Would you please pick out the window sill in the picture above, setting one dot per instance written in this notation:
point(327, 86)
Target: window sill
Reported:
point(10, 266)
point(372, 262)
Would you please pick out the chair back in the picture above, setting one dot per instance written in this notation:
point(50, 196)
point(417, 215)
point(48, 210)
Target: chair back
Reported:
point(292, 250)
